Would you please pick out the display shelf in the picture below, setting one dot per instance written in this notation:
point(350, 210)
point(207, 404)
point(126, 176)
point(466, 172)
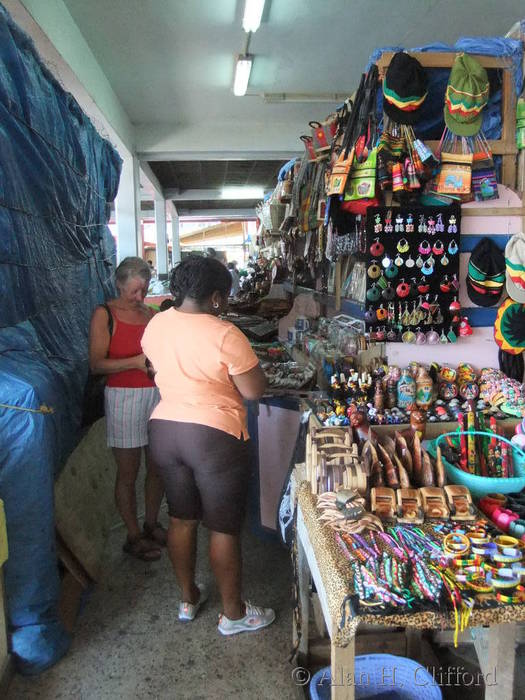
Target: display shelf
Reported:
point(348, 306)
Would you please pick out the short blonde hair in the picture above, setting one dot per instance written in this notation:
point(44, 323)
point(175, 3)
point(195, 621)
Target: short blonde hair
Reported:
point(132, 267)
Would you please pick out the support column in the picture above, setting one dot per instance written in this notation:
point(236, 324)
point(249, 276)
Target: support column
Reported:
point(161, 238)
point(127, 210)
point(175, 236)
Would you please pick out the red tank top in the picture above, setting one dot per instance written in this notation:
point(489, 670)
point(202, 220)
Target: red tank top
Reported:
point(125, 342)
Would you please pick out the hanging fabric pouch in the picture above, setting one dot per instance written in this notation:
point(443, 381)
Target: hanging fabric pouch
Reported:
point(323, 133)
point(340, 173)
point(484, 182)
point(455, 175)
point(309, 149)
point(361, 182)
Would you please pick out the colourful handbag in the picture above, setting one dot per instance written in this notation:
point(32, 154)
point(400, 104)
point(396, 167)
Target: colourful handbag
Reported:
point(484, 181)
point(455, 175)
point(323, 133)
point(309, 149)
point(340, 172)
point(361, 182)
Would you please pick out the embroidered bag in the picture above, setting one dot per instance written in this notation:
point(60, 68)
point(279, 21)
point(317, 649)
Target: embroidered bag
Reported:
point(361, 183)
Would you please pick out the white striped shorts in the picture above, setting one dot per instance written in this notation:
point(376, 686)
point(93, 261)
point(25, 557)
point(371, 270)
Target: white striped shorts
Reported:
point(127, 414)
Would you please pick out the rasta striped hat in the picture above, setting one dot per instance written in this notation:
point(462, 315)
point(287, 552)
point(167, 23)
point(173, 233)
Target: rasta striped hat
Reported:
point(486, 273)
point(515, 267)
point(404, 88)
point(509, 328)
point(467, 93)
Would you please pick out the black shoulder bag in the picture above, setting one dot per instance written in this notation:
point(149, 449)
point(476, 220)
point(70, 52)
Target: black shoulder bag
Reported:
point(93, 403)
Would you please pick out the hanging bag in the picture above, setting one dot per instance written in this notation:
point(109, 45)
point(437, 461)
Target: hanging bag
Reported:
point(455, 174)
point(361, 183)
point(93, 401)
point(323, 134)
point(484, 181)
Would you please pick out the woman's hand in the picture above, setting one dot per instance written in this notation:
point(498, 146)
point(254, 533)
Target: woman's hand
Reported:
point(140, 363)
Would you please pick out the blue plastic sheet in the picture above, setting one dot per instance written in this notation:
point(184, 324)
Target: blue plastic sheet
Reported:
point(57, 178)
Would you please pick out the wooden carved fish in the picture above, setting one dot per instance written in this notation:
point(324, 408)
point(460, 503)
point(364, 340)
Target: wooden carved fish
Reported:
point(417, 474)
point(404, 479)
point(440, 469)
point(376, 474)
point(427, 473)
point(391, 475)
point(403, 453)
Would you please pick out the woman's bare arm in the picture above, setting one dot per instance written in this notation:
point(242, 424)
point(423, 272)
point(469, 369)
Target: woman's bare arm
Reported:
point(252, 384)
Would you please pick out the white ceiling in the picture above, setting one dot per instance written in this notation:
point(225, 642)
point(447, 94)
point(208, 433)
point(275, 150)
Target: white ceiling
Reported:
point(170, 62)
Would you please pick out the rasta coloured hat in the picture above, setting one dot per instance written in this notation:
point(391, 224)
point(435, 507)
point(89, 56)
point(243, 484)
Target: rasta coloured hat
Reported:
point(515, 267)
point(486, 273)
point(467, 93)
point(509, 328)
point(404, 88)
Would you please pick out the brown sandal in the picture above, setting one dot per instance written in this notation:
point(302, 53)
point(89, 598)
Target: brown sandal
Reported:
point(142, 548)
point(157, 533)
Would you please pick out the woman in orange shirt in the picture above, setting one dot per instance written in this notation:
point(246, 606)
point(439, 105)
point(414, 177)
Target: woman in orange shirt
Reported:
point(198, 437)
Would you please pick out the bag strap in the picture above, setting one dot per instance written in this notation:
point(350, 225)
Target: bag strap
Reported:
point(110, 318)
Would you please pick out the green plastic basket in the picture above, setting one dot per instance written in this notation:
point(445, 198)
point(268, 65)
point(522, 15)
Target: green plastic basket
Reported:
point(482, 485)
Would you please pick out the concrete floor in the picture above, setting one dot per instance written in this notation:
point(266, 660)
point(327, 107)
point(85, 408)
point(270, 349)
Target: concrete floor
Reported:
point(129, 644)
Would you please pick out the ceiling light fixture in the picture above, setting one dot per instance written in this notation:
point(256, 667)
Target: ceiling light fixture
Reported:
point(253, 10)
point(274, 97)
point(243, 68)
point(248, 192)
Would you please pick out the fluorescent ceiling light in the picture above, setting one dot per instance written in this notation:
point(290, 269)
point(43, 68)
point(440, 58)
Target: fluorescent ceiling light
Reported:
point(243, 68)
point(242, 193)
point(253, 10)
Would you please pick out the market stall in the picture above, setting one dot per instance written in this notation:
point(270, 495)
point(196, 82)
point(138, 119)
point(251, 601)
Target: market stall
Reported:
point(403, 214)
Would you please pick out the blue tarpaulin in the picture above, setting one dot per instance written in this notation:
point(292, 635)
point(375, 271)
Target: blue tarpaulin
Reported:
point(57, 178)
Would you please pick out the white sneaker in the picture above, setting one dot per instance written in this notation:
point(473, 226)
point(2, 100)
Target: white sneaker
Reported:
point(255, 619)
point(187, 611)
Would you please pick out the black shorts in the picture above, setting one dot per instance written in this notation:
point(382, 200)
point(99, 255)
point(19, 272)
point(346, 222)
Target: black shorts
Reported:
point(205, 472)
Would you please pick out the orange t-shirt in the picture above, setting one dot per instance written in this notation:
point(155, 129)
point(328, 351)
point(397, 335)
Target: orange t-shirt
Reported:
point(195, 356)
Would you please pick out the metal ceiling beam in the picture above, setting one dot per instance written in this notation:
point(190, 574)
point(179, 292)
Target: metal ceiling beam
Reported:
point(223, 214)
point(217, 155)
point(196, 195)
point(149, 180)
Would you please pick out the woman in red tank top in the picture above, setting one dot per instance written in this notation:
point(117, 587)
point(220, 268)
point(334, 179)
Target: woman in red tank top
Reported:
point(130, 396)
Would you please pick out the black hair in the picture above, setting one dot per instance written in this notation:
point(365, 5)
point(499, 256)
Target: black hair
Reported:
point(197, 278)
point(166, 304)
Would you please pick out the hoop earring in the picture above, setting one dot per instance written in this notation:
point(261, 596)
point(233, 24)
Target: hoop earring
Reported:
point(215, 305)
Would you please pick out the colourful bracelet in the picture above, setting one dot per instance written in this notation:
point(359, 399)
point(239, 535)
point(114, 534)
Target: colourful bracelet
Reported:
point(456, 544)
point(504, 541)
point(505, 579)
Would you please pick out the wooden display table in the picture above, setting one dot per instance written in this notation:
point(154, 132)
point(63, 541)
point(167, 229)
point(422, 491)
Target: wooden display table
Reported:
point(318, 558)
